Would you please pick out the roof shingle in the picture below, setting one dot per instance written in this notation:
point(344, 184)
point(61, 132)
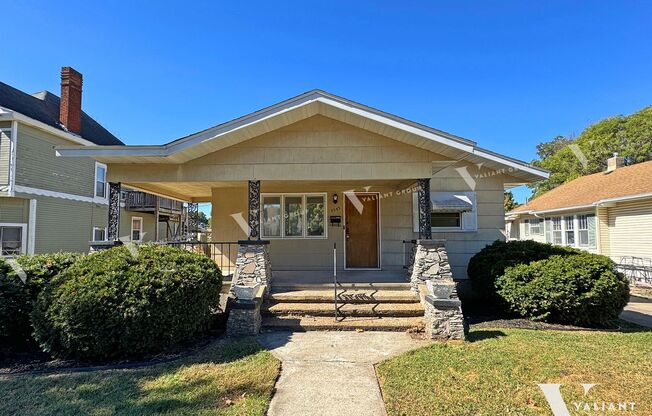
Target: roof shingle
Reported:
point(44, 107)
point(586, 190)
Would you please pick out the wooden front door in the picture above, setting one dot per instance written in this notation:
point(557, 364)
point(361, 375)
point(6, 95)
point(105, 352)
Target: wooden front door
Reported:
point(361, 231)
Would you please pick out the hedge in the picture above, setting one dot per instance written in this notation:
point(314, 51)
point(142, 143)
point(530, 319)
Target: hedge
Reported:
point(486, 266)
point(17, 296)
point(121, 303)
point(584, 289)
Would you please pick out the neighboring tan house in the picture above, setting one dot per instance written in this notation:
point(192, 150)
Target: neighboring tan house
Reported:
point(608, 213)
point(50, 204)
point(318, 172)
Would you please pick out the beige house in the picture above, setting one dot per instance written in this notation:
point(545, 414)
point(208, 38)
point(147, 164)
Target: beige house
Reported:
point(328, 182)
point(608, 213)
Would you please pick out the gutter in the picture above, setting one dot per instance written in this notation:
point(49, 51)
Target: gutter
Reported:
point(599, 203)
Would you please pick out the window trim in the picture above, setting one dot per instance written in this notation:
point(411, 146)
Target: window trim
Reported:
point(106, 183)
point(304, 235)
point(463, 224)
point(98, 228)
point(23, 236)
point(131, 236)
point(539, 226)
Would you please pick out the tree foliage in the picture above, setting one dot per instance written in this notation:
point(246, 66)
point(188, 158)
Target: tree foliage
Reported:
point(629, 136)
point(509, 201)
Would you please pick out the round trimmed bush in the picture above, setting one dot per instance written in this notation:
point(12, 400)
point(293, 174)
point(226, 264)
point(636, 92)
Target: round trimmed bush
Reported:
point(486, 266)
point(584, 289)
point(17, 296)
point(126, 302)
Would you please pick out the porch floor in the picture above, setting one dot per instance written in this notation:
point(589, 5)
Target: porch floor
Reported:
point(317, 277)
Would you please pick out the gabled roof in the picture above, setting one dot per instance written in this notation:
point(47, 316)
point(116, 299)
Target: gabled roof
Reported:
point(44, 107)
point(590, 190)
point(301, 107)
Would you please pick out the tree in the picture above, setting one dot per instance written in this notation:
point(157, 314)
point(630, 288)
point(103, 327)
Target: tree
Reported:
point(202, 220)
point(566, 159)
point(509, 201)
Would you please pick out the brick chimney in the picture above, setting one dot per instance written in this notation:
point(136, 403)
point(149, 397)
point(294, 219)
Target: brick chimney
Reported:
point(71, 96)
point(615, 162)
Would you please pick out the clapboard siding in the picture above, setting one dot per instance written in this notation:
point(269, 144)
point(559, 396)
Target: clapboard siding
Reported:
point(149, 221)
point(37, 165)
point(630, 229)
point(14, 210)
point(66, 225)
point(5, 157)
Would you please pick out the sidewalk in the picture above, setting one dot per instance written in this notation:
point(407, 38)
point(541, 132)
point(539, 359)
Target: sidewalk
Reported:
point(638, 311)
point(332, 373)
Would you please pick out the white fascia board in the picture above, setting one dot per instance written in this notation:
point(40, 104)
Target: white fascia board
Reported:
point(623, 198)
point(289, 105)
point(9, 114)
point(513, 163)
point(553, 210)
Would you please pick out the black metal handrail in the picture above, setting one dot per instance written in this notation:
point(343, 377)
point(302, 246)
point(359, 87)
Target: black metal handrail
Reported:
point(223, 253)
point(335, 280)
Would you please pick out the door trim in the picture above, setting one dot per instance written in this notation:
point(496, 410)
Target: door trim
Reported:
point(378, 231)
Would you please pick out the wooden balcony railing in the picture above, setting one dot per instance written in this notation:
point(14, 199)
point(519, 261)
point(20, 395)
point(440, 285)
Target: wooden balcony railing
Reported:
point(141, 201)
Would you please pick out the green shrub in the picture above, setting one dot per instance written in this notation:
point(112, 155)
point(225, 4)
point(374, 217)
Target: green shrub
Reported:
point(17, 296)
point(486, 266)
point(121, 303)
point(584, 289)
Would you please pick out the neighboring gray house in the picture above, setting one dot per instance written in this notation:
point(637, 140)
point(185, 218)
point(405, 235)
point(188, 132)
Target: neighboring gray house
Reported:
point(47, 203)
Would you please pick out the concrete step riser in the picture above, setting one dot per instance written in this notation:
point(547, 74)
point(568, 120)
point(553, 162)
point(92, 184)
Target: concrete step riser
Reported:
point(299, 328)
point(326, 299)
point(361, 313)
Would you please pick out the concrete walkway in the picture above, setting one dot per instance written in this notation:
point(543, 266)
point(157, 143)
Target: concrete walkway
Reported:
point(331, 373)
point(638, 311)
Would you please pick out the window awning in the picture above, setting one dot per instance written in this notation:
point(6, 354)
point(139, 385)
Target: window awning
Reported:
point(451, 203)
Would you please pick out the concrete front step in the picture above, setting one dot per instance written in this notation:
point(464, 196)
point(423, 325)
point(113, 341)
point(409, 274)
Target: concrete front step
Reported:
point(346, 309)
point(342, 286)
point(322, 323)
point(344, 296)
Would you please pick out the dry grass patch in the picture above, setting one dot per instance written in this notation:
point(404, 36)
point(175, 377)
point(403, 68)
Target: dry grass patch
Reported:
point(498, 372)
point(228, 378)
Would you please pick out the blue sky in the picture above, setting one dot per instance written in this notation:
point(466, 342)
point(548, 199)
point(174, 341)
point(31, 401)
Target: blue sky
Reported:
point(507, 74)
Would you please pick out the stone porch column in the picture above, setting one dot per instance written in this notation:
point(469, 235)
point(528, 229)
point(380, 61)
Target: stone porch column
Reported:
point(113, 225)
point(432, 278)
point(425, 219)
point(253, 218)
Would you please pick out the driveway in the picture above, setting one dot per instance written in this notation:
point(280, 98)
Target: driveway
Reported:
point(332, 373)
point(638, 311)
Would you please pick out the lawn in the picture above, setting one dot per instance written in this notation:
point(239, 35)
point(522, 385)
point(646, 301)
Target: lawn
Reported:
point(497, 373)
point(227, 378)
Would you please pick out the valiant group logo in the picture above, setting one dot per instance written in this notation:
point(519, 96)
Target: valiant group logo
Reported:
point(552, 393)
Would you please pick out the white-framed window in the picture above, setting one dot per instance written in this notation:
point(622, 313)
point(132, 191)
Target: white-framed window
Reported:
point(583, 230)
point(136, 228)
point(569, 230)
point(451, 211)
point(293, 216)
point(99, 234)
point(535, 226)
point(556, 231)
point(526, 227)
point(13, 239)
point(100, 181)
point(572, 230)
